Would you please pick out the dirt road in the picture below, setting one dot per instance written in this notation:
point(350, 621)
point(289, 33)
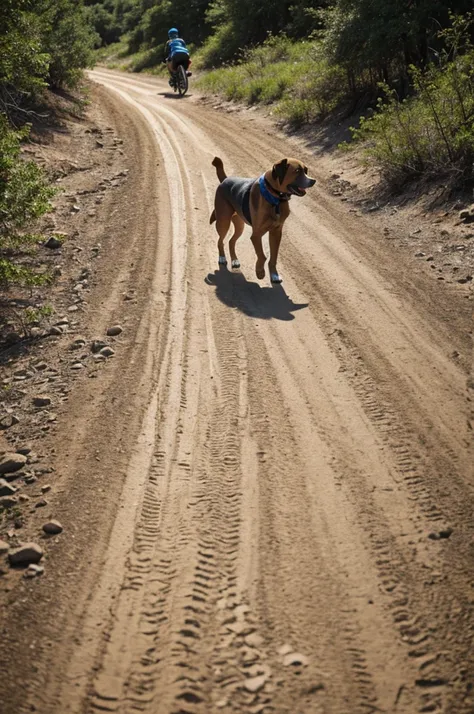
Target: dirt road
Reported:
point(284, 519)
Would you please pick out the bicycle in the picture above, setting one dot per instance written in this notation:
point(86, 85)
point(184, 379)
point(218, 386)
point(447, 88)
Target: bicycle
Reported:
point(180, 80)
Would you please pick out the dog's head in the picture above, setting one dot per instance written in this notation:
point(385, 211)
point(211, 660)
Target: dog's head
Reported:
point(291, 176)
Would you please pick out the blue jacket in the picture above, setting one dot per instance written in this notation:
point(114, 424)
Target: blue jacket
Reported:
point(174, 46)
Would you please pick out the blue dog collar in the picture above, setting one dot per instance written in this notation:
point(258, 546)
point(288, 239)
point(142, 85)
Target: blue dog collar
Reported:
point(268, 196)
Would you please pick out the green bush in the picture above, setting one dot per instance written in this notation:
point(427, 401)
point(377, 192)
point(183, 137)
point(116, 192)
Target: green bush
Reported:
point(430, 134)
point(24, 196)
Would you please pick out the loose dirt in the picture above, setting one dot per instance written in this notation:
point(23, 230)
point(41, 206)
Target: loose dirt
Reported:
point(266, 492)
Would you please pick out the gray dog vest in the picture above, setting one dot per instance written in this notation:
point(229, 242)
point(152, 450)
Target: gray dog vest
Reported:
point(237, 192)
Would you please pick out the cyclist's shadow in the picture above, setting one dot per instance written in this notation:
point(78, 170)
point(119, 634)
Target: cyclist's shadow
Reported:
point(266, 303)
point(174, 95)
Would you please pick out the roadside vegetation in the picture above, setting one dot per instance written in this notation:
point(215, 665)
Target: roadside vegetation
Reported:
point(44, 45)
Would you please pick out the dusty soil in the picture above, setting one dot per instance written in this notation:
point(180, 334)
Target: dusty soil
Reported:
point(266, 493)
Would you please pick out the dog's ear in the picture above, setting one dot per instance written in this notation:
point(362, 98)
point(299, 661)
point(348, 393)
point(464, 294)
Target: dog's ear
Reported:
point(279, 171)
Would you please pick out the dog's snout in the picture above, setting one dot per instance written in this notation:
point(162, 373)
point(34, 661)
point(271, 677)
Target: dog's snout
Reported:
point(304, 181)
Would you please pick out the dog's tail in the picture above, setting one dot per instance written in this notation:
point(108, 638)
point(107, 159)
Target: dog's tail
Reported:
point(221, 174)
point(213, 217)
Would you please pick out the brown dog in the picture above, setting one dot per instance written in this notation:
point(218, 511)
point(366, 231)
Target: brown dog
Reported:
point(263, 204)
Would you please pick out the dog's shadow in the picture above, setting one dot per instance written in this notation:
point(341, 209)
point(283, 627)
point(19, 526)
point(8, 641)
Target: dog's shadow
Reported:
point(266, 303)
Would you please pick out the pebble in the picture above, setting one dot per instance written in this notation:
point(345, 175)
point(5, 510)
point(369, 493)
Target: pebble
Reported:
point(8, 501)
point(6, 489)
point(12, 338)
point(97, 345)
point(25, 554)
point(53, 243)
point(255, 684)
point(78, 343)
point(33, 570)
point(41, 401)
point(443, 533)
point(295, 659)
point(107, 352)
point(11, 463)
point(52, 527)
point(8, 421)
point(254, 640)
point(114, 330)
point(55, 331)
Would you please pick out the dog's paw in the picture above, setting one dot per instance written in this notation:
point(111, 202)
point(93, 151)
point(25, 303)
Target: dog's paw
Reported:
point(222, 260)
point(236, 263)
point(275, 278)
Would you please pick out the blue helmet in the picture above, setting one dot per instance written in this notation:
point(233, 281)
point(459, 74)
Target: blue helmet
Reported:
point(173, 32)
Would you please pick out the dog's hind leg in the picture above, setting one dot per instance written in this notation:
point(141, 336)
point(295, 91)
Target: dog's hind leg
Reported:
point(239, 226)
point(223, 220)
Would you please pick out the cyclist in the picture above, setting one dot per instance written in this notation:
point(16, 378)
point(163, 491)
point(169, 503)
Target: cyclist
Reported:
point(176, 53)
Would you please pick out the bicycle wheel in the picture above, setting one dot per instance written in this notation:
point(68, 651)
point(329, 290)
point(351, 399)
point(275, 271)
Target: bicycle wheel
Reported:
point(182, 80)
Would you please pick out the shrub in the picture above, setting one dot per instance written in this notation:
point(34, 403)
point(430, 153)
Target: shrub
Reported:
point(24, 196)
point(430, 134)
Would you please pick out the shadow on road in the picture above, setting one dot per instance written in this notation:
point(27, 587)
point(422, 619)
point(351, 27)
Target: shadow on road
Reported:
point(173, 95)
point(266, 303)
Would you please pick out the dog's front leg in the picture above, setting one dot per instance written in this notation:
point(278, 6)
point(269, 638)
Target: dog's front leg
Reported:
point(261, 257)
point(274, 240)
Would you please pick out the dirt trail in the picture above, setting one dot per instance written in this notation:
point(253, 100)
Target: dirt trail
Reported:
point(291, 457)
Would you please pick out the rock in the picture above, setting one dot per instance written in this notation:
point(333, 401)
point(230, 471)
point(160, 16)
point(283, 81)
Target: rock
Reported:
point(25, 554)
point(8, 421)
point(41, 503)
point(12, 338)
point(97, 345)
point(420, 254)
point(255, 684)
point(12, 462)
point(77, 365)
point(285, 649)
point(114, 330)
point(254, 640)
point(45, 488)
point(78, 343)
point(8, 501)
point(107, 352)
point(4, 547)
point(98, 143)
point(467, 215)
point(296, 660)
point(53, 243)
point(33, 570)
point(52, 527)
point(438, 535)
point(41, 401)
point(55, 331)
